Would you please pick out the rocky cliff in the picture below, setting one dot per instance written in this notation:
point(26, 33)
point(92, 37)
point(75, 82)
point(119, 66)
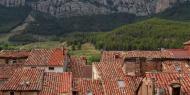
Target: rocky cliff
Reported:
point(90, 7)
point(12, 3)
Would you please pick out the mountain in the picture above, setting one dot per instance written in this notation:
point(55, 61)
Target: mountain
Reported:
point(179, 12)
point(67, 8)
point(11, 17)
point(143, 25)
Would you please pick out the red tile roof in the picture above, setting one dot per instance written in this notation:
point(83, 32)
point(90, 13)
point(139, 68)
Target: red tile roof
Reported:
point(24, 80)
point(163, 80)
point(79, 68)
point(45, 57)
point(57, 84)
point(148, 54)
point(108, 70)
point(110, 74)
point(7, 70)
point(112, 56)
point(112, 87)
point(172, 66)
point(14, 53)
point(83, 86)
point(180, 53)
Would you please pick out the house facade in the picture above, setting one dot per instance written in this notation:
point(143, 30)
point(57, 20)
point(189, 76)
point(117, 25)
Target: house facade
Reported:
point(52, 60)
point(13, 56)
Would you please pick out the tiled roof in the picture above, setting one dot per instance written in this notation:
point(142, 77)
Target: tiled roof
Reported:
point(24, 80)
point(14, 53)
point(109, 70)
point(57, 83)
point(148, 54)
point(112, 56)
point(180, 53)
point(84, 86)
point(110, 74)
point(46, 57)
point(112, 87)
point(79, 68)
point(173, 66)
point(7, 70)
point(163, 80)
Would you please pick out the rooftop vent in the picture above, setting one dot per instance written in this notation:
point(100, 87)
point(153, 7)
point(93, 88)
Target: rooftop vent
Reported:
point(177, 68)
point(161, 91)
point(89, 92)
point(121, 83)
point(25, 83)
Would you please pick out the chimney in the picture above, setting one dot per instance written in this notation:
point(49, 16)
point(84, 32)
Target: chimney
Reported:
point(147, 87)
point(117, 56)
point(175, 88)
point(64, 50)
point(84, 58)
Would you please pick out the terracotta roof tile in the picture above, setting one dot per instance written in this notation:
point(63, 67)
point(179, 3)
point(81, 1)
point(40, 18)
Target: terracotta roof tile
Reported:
point(148, 54)
point(111, 73)
point(109, 70)
point(57, 84)
point(172, 66)
point(14, 53)
point(79, 68)
point(180, 53)
point(24, 79)
point(112, 56)
point(45, 57)
point(84, 86)
point(163, 80)
point(112, 87)
point(7, 70)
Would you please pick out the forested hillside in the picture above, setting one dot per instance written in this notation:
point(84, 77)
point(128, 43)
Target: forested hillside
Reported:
point(168, 29)
point(49, 25)
point(151, 34)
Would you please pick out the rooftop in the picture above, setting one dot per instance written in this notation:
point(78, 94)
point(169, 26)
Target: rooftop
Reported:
point(24, 80)
point(86, 86)
point(14, 53)
point(46, 57)
point(79, 68)
point(164, 80)
point(57, 83)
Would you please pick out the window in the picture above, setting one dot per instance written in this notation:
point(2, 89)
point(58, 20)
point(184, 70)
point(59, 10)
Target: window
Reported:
point(13, 61)
point(51, 68)
point(75, 92)
point(12, 93)
point(121, 83)
point(116, 56)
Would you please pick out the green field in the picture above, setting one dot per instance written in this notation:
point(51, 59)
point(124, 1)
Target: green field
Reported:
point(89, 51)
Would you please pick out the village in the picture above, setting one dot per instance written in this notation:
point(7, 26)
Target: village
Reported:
point(55, 72)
